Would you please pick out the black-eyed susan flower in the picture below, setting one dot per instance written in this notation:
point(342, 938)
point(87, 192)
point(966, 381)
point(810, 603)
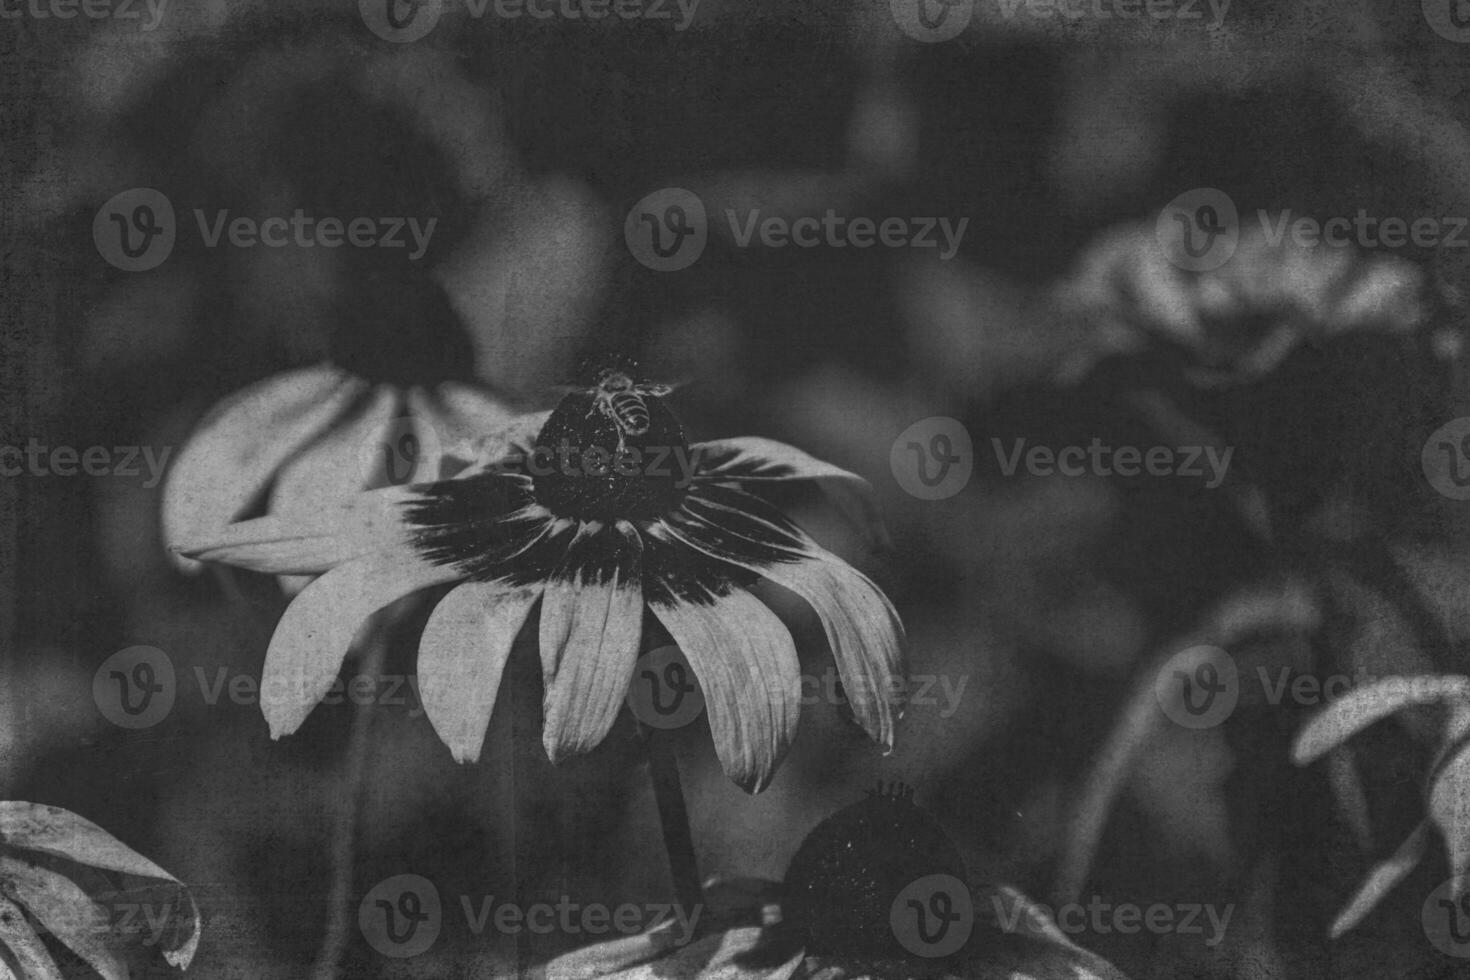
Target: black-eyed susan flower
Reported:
point(596, 511)
point(47, 855)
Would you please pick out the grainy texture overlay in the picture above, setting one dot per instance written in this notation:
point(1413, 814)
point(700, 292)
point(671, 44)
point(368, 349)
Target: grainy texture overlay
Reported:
point(734, 489)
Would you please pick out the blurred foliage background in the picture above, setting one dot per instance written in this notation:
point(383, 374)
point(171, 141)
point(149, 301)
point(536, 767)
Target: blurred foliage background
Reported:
point(529, 142)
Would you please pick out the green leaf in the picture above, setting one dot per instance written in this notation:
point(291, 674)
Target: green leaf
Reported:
point(1382, 879)
point(1368, 705)
point(66, 912)
point(53, 830)
point(16, 933)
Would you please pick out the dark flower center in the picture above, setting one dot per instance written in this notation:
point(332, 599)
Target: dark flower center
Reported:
point(607, 459)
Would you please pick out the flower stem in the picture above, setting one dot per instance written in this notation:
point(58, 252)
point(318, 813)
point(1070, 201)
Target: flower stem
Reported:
point(338, 935)
point(668, 793)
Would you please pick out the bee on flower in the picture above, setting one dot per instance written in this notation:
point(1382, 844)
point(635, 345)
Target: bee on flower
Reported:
point(587, 515)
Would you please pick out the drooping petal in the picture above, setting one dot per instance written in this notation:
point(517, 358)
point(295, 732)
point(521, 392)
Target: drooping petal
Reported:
point(312, 638)
point(236, 450)
point(862, 627)
point(479, 521)
point(755, 460)
point(741, 653)
point(462, 657)
point(312, 542)
point(591, 625)
point(336, 466)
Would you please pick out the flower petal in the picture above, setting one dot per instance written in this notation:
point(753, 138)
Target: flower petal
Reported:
point(490, 527)
point(591, 625)
point(480, 521)
point(239, 446)
point(30, 953)
point(459, 416)
point(312, 542)
point(462, 656)
point(752, 459)
point(56, 831)
point(512, 441)
point(333, 466)
point(313, 636)
point(744, 659)
point(60, 905)
point(863, 629)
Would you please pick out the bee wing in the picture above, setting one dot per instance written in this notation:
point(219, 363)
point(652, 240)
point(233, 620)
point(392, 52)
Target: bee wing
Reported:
point(659, 390)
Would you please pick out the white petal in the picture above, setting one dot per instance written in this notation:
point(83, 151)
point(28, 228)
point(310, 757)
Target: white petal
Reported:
point(462, 657)
point(514, 438)
point(591, 625)
point(460, 416)
point(863, 629)
point(236, 450)
point(30, 952)
point(313, 636)
point(864, 632)
point(66, 912)
point(313, 542)
point(332, 468)
point(752, 459)
point(747, 668)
